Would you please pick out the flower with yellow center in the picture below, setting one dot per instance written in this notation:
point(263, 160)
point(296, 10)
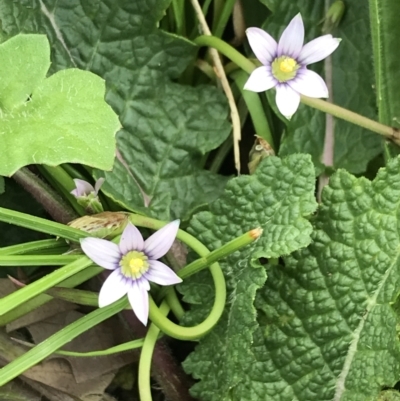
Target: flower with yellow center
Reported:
point(134, 264)
point(285, 64)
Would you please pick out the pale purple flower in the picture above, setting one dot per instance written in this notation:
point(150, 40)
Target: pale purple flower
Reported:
point(83, 188)
point(134, 263)
point(285, 64)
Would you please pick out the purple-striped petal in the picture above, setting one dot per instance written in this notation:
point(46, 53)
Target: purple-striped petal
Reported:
point(142, 281)
point(131, 239)
point(82, 188)
point(160, 273)
point(318, 49)
point(287, 100)
point(114, 288)
point(104, 253)
point(260, 80)
point(158, 244)
point(309, 83)
point(139, 300)
point(292, 39)
point(98, 184)
point(263, 45)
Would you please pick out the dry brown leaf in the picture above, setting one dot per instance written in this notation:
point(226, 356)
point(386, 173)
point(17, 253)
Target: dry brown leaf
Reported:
point(100, 337)
point(55, 373)
point(51, 308)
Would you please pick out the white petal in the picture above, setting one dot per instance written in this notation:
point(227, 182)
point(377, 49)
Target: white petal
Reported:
point(114, 288)
point(287, 100)
point(260, 80)
point(263, 44)
point(160, 273)
point(318, 49)
point(82, 188)
point(309, 83)
point(158, 244)
point(292, 39)
point(131, 239)
point(139, 300)
point(98, 184)
point(104, 253)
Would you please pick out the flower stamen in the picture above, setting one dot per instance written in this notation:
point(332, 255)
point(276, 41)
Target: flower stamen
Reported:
point(284, 68)
point(134, 264)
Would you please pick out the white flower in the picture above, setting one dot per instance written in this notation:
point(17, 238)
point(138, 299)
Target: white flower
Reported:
point(134, 264)
point(284, 64)
point(84, 189)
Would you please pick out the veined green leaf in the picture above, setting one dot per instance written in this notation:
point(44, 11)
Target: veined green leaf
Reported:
point(278, 197)
point(327, 328)
point(54, 120)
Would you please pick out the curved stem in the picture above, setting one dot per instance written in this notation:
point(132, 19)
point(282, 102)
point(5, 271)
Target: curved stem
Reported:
point(146, 357)
point(174, 303)
point(168, 327)
point(326, 107)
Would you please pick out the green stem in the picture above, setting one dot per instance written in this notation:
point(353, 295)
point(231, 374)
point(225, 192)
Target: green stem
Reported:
point(220, 253)
point(319, 104)
point(38, 260)
point(223, 18)
point(178, 7)
point(128, 346)
point(41, 299)
point(174, 303)
point(30, 291)
point(42, 225)
point(350, 116)
point(255, 108)
point(57, 340)
point(146, 357)
point(35, 247)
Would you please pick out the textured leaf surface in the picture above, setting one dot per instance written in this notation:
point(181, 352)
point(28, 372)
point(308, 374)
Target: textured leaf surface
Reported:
point(167, 127)
point(352, 81)
point(278, 197)
point(327, 328)
point(63, 118)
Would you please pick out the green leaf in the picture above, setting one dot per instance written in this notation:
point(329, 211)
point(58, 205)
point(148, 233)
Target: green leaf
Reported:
point(63, 118)
point(278, 198)
point(385, 30)
point(353, 88)
point(164, 162)
point(168, 127)
point(327, 326)
point(1, 185)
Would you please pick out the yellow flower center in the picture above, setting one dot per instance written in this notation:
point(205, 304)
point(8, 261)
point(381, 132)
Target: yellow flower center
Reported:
point(284, 68)
point(287, 65)
point(134, 264)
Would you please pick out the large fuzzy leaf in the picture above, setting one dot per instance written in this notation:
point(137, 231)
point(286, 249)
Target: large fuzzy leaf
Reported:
point(327, 328)
point(278, 198)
